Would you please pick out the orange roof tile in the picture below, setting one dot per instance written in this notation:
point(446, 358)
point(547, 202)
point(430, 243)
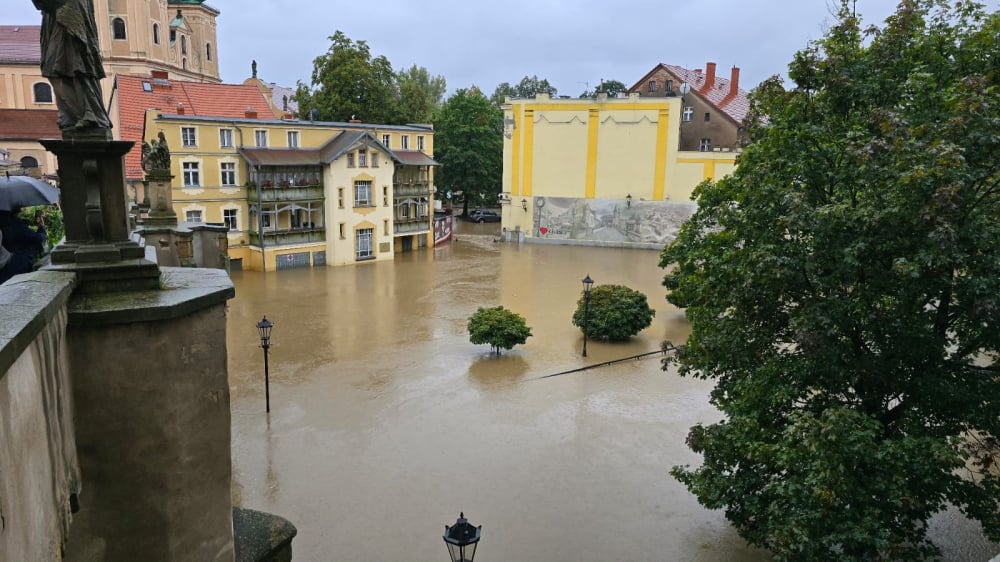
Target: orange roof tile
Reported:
point(20, 44)
point(735, 106)
point(136, 94)
point(29, 124)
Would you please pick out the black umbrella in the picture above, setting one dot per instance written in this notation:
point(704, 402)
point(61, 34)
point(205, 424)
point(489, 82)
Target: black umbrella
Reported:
point(24, 191)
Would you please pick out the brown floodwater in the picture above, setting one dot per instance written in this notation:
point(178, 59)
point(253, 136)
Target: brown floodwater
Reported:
point(386, 422)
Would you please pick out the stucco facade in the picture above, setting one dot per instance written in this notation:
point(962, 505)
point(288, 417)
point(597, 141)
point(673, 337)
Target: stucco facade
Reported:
point(605, 171)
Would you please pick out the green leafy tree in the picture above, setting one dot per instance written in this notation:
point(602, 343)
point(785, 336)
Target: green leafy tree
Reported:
point(499, 327)
point(468, 143)
point(528, 87)
point(616, 313)
point(843, 290)
point(348, 83)
point(420, 94)
point(51, 218)
point(610, 87)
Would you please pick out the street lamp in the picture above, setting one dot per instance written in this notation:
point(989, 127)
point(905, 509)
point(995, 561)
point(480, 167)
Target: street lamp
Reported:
point(588, 283)
point(462, 539)
point(524, 205)
point(628, 200)
point(264, 327)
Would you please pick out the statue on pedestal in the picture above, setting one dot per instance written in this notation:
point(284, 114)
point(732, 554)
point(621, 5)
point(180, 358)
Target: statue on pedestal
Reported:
point(156, 155)
point(71, 60)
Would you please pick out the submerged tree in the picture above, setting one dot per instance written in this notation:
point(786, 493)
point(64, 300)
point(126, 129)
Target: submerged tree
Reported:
point(468, 143)
point(499, 327)
point(843, 289)
point(615, 313)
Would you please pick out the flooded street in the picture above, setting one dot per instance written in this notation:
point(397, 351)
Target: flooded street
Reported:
point(386, 422)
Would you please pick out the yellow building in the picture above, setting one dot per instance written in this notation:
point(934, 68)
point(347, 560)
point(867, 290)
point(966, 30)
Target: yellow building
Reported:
point(301, 193)
point(605, 171)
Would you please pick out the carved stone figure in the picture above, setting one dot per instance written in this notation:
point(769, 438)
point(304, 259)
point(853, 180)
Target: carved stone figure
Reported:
point(156, 154)
point(71, 60)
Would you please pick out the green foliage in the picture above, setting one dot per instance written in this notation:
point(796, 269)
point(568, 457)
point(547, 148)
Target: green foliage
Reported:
point(468, 143)
point(616, 313)
point(610, 87)
point(843, 289)
point(420, 94)
point(528, 87)
point(347, 83)
point(499, 327)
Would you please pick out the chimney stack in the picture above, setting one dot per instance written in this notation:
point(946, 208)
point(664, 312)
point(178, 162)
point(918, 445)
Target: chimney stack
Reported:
point(734, 81)
point(180, 108)
point(251, 113)
point(709, 77)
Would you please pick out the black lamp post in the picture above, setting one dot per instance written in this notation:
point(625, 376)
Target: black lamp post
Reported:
point(628, 200)
point(264, 327)
point(462, 539)
point(524, 205)
point(587, 284)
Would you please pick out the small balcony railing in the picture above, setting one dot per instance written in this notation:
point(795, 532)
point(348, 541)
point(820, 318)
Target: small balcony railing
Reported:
point(283, 237)
point(289, 193)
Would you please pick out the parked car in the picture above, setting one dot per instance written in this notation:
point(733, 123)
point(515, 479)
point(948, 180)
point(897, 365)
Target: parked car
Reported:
point(481, 215)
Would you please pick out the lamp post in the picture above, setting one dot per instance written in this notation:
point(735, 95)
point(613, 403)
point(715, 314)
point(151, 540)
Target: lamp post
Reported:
point(524, 205)
point(264, 327)
point(587, 284)
point(628, 200)
point(462, 539)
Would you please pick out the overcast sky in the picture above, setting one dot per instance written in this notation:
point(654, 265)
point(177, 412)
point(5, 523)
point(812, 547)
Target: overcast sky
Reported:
point(573, 44)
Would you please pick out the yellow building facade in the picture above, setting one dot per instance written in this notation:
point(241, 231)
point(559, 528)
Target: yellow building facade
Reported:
point(605, 171)
point(301, 193)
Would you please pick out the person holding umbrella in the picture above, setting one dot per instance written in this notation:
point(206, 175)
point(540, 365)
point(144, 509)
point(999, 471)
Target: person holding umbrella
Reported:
point(24, 244)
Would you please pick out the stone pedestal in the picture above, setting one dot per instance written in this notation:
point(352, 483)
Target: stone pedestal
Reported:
point(161, 200)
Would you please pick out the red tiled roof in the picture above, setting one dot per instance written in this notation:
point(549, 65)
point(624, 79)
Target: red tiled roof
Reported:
point(735, 106)
point(29, 124)
point(20, 44)
point(199, 99)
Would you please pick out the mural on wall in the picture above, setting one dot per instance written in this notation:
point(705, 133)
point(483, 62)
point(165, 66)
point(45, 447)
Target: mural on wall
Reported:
point(442, 228)
point(609, 220)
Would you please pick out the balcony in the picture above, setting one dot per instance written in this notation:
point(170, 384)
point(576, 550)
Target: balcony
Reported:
point(290, 236)
point(271, 194)
point(411, 225)
point(413, 188)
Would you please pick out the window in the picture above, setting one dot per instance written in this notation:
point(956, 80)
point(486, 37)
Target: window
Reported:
point(350, 159)
point(420, 142)
point(173, 36)
point(156, 34)
point(374, 159)
point(192, 174)
point(652, 85)
point(147, 86)
point(362, 193)
point(385, 227)
point(364, 243)
point(340, 198)
point(687, 114)
point(225, 138)
point(293, 139)
point(343, 231)
point(43, 92)
point(266, 220)
point(708, 117)
point(705, 145)
point(184, 44)
point(404, 142)
point(669, 86)
point(260, 137)
point(29, 162)
point(193, 216)
point(118, 29)
point(404, 212)
point(188, 136)
point(229, 219)
point(184, 63)
point(385, 196)
point(228, 170)
point(208, 51)
point(385, 140)
point(362, 158)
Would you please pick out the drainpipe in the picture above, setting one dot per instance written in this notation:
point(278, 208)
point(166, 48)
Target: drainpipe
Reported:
point(260, 222)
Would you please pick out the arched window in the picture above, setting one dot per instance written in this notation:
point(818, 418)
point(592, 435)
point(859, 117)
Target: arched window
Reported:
point(184, 63)
point(184, 45)
point(43, 92)
point(29, 162)
point(208, 51)
point(156, 34)
point(118, 29)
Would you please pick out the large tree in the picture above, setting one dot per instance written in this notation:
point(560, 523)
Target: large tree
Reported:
point(528, 87)
point(499, 327)
point(468, 143)
point(420, 94)
point(614, 313)
point(843, 289)
point(348, 83)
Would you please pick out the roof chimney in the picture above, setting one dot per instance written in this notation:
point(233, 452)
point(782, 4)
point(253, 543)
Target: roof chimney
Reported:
point(734, 86)
point(251, 113)
point(180, 108)
point(709, 77)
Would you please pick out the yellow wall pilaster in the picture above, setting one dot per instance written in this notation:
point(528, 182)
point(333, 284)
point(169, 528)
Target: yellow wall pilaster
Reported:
point(529, 146)
point(660, 173)
point(593, 124)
